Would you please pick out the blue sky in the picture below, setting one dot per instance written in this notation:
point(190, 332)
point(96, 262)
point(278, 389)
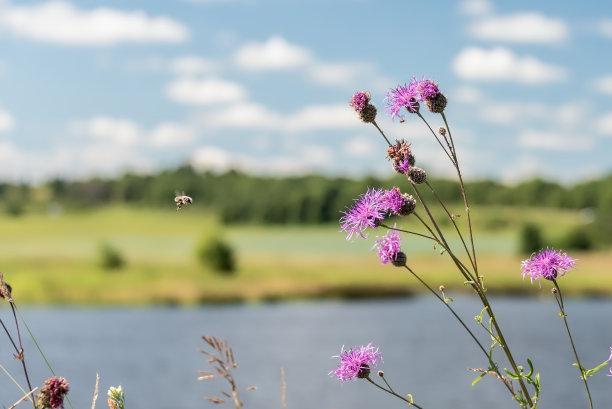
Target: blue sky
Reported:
point(98, 88)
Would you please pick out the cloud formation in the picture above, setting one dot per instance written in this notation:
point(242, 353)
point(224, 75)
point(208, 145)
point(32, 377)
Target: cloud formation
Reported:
point(60, 22)
point(6, 121)
point(187, 90)
point(521, 28)
point(501, 64)
point(276, 53)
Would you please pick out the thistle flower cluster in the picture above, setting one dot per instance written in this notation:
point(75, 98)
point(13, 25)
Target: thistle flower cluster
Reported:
point(361, 103)
point(389, 250)
point(356, 363)
point(548, 264)
point(51, 396)
point(372, 207)
point(410, 96)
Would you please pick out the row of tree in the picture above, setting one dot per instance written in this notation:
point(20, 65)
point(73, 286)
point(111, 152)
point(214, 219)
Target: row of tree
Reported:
point(239, 197)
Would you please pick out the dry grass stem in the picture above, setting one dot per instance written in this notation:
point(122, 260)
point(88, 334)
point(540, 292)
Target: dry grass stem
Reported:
point(27, 394)
point(95, 395)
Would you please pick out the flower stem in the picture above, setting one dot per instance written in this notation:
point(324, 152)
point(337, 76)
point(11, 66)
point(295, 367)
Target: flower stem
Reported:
point(559, 299)
point(393, 393)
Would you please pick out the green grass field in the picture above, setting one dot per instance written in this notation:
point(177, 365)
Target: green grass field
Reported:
point(55, 259)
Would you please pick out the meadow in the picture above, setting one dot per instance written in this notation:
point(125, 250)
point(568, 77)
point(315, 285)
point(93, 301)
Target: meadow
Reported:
point(53, 258)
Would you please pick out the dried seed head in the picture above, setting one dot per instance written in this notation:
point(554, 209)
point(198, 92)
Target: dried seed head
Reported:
point(400, 259)
point(436, 104)
point(554, 291)
point(368, 114)
point(441, 288)
point(417, 175)
point(381, 374)
point(442, 131)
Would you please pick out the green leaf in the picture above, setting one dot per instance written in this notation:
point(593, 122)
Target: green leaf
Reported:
point(475, 381)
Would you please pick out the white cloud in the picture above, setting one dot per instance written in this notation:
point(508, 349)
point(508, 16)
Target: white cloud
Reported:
point(360, 146)
point(322, 117)
point(605, 27)
point(466, 94)
point(204, 91)
point(604, 124)
point(521, 28)
point(257, 117)
point(171, 134)
point(344, 73)
point(475, 7)
point(274, 54)
point(519, 113)
point(547, 140)
point(109, 130)
point(193, 65)
point(7, 122)
point(501, 64)
point(214, 159)
point(603, 84)
point(60, 22)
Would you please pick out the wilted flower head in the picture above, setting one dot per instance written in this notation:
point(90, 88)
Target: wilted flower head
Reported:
point(548, 264)
point(51, 396)
point(116, 397)
point(356, 362)
point(404, 96)
point(369, 209)
point(401, 155)
point(389, 247)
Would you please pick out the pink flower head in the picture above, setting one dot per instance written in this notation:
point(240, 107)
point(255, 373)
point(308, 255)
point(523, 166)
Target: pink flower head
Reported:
point(402, 166)
point(51, 396)
point(360, 100)
point(548, 264)
point(389, 247)
point(394, 200)
point(405, 96)
point(356, 363)
point(369, 209)
point(427, 89)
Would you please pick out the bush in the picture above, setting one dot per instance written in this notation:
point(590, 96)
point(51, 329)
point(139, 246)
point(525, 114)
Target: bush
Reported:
point(578, 239)
point(530, 239)
point(216, 254)
point(110, 257)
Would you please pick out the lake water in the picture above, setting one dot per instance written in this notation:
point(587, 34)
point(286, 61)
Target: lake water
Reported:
point(153, 352)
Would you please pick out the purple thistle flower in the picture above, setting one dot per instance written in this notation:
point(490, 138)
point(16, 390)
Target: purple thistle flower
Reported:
point(548, 264)
point(389, 247)
point(356, 362)
point(427, 89)
point(51, 396)
point(360, 100)
point(394, 200)
point(403, 166)
point(405, 96)
point(368, 210)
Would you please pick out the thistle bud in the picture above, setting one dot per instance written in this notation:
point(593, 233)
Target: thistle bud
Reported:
point(368, 114)
point(408, 204)
point(417, 175)
point(442, 131)
point(437, 103)
point(399, 260)
point(364, 371)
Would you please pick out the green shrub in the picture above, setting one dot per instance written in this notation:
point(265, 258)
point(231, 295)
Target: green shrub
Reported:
point(110, 257)
point(530, 239)
point(215, 253)
point(578, 239)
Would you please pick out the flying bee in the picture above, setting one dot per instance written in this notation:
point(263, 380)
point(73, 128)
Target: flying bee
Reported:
point(181, 200)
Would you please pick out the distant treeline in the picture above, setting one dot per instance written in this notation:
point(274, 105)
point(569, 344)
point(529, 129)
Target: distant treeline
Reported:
point(239, 197)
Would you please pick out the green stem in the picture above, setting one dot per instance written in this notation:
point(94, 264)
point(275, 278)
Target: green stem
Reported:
point(580, 367)
point(393, 393)
point(381, 132)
